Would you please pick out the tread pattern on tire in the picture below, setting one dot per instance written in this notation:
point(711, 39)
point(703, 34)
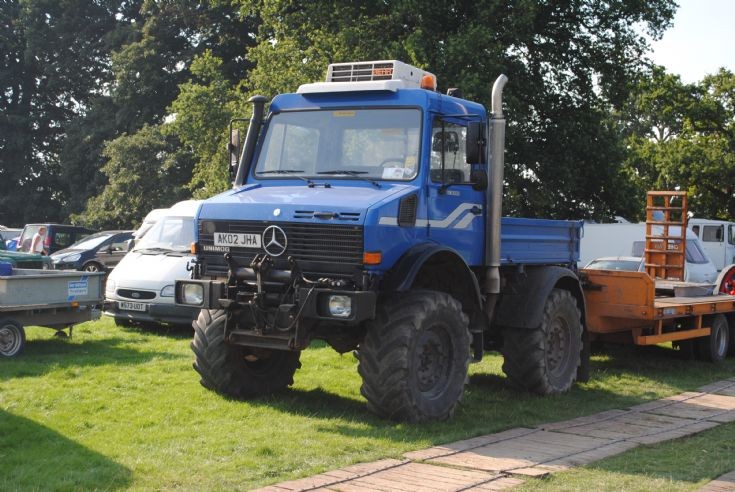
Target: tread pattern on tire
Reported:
point(385, 354)
point(223, 367)
point(524, 351)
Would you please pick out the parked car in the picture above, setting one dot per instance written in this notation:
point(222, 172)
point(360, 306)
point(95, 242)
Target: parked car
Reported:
point(58, 236)
point(141, 287)
point(98, 252)
point(621, 263)
point(24, 260)
point(9, 237)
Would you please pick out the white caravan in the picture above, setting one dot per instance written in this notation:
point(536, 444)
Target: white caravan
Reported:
point(718, 240)
point(605, 240)
point(141, 287)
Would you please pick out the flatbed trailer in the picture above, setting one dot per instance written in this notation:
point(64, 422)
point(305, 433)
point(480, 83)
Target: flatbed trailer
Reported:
point(626, 302)
point(49, 298)
point(655, 306)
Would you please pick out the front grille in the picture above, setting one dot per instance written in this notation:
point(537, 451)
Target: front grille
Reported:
point(136, 294)
point(319, 248)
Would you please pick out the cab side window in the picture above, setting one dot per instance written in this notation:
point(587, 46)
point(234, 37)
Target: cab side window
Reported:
point(448, 158)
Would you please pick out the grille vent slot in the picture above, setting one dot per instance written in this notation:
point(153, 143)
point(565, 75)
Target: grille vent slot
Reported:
point(136, 294)
point(407, 211)
point(303, 214)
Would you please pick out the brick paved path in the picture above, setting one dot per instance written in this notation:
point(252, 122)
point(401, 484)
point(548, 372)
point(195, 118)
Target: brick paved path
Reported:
point(725, 483)
point(498, 461)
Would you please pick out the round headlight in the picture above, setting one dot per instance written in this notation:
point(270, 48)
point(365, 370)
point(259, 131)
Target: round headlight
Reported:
point(193, 294)
point(340, 306)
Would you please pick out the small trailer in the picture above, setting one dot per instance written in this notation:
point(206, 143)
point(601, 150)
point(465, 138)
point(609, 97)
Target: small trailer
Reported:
point(50, 298)
point(655, 306)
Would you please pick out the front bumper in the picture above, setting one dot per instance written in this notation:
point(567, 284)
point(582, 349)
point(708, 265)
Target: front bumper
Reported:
point(309, 304)
point(153, 313)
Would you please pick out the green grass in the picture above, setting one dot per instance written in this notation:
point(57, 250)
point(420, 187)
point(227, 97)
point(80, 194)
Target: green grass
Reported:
point(122, 408)
point(679, 465)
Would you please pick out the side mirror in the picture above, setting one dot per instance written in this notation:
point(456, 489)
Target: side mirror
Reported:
point(479, 180)
point(233, 150)
point(129, 244)
point(475, 143)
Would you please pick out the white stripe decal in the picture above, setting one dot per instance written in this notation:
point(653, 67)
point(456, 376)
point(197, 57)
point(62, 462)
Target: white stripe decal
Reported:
point(443, 223)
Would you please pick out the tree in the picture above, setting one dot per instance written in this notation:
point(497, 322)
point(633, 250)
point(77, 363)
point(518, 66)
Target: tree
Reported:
point(151, 71)
point(683, 136)
point(52, 62)
point(569, 64)
point(145, 170)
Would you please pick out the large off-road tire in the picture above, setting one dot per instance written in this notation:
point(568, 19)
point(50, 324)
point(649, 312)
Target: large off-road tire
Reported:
point(544, 360)
point(414, 358)
point(714, 347)
point(236, 371)
point(12, 337)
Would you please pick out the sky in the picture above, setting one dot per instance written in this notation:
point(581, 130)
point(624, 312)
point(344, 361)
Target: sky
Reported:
point(701, 40)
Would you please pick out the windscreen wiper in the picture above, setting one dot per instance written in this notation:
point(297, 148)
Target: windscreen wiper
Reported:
point(356, 174)
point(309, 182)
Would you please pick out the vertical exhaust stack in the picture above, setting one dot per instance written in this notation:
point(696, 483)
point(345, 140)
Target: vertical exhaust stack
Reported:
point(251, 139)
point(494, 199)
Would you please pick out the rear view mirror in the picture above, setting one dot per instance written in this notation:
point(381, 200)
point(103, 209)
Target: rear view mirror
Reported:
point(475, 143)
point(233, 150)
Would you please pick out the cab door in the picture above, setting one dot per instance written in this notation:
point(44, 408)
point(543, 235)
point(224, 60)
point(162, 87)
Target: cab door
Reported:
point(455, 210)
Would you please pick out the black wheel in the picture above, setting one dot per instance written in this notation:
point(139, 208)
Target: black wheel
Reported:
point(414, 358)
point(12, 337)
point(92, 267)
point(544, 360)
point(714, 347)
point(236, 371)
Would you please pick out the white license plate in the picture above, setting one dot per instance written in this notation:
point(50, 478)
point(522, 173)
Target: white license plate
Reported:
point(131, 306)
point(237, 240)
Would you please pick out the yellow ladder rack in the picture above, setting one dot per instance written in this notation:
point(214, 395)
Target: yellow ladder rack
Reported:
point(666, 222)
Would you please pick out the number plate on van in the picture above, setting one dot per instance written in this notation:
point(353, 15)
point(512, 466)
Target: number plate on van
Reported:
point(237, 240)
point(130, 306)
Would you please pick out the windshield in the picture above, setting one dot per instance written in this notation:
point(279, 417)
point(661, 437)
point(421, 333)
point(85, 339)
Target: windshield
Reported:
point(370, 143)
point(170, 234)
point(90, 242)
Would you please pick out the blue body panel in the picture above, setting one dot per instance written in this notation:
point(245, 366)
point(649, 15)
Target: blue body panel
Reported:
point(539, 241)
point(455, 219)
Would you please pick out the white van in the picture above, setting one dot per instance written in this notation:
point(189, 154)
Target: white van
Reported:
point(605, 240)
point(151, 218)
point(718, 240)
point(141, 287)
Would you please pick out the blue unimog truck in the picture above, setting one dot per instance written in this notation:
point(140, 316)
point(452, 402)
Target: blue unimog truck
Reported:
point(366, 212)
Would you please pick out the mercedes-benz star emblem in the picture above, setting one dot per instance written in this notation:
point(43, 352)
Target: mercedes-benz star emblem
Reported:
point(274, 241)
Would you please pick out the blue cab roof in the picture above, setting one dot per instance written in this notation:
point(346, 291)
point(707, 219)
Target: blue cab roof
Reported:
point(427, 100)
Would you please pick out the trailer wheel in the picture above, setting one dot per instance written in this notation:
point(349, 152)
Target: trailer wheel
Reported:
point(234, 370)
point(544, 360)
point(714, 347)
point(725, 283)
point(414, 358)
point(12, 337)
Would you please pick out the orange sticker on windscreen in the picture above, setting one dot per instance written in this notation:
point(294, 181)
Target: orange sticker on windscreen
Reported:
point(343, 114)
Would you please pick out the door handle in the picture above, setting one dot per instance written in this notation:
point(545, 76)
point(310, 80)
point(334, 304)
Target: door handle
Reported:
point(476, 210)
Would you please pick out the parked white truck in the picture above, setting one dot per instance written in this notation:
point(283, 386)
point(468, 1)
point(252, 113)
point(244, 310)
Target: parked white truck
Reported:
point(717, 238)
